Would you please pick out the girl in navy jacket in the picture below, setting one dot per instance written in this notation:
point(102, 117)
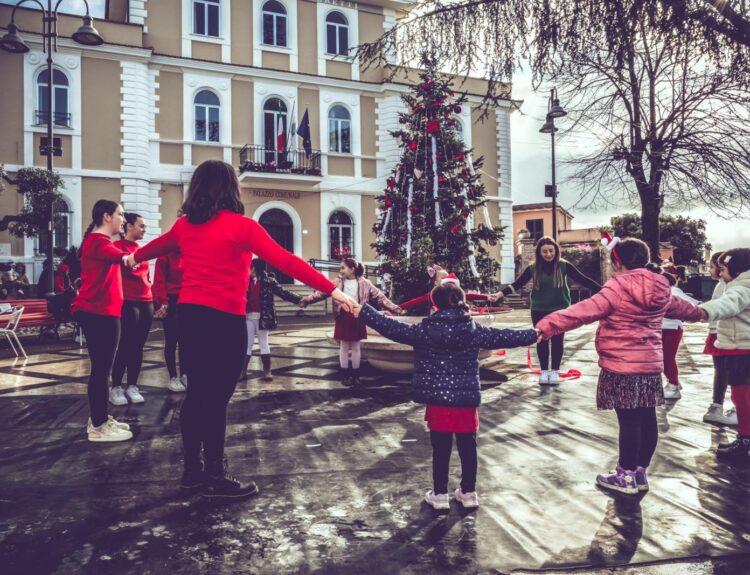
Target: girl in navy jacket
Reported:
point(446, 378)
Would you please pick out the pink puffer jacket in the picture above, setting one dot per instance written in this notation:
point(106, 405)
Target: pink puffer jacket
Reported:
point(629, 309)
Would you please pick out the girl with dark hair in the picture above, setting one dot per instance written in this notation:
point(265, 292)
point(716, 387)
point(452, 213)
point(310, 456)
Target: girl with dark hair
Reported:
point(349, 331)
point(549, 274)
point(137, 315)
point(216, 243)
point(261, 312)
point(446, 379)
point(97, 309)
point(166, 289)
point(629, 308)
point(731, 312)
point(715, 412)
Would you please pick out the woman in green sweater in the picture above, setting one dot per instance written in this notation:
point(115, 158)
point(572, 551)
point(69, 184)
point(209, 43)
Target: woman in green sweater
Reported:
point(550, 274)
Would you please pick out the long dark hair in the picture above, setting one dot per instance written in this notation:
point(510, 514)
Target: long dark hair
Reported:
point(213, 187)
point(359, 269)
point(736, 260)
point(100, 209)
point(130, 218)
point(449, 296)
point(631, 253)
point(538, 259)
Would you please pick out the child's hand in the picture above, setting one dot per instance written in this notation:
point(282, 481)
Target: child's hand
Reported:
point(356, 309)
point(399, 311)
point(540, 336)
point(496, 296)
point(302, 304)
point(704, 314)
point(161, 313)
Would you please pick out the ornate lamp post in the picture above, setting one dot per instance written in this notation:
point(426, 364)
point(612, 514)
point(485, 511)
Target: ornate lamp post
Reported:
point(12, 42)
point(554, 110)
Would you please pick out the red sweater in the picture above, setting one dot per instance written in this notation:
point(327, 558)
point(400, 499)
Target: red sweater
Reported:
point(101, 279)
point(167, 277)
point(136, 285)
point(216, 260)
point(253, 300)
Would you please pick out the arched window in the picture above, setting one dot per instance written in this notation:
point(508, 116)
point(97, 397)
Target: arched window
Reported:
point(207, 114)
point(340, 236)
point(337, 34)
point(274, 125)
point(206, 17)
point(60, 98)
point(339, 130)
point(274, 23)
point(62, 229)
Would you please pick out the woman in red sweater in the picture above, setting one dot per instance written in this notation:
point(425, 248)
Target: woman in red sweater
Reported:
point(97, 309)
point(137, 315)
point(216, 243)
point(166, 288)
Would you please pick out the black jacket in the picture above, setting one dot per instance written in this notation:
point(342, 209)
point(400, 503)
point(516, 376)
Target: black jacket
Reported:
point(268, 288)
point(446, 348)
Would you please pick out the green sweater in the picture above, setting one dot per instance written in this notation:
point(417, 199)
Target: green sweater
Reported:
point(548, 297)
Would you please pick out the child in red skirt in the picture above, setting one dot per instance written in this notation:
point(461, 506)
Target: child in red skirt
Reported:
point(446, 378)
point(349, 330)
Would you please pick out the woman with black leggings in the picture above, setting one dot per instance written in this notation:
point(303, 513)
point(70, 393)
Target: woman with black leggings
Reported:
point(97, 309)
point(550, 274)
point(216, 243)
point(137, 315)
point(166, 289)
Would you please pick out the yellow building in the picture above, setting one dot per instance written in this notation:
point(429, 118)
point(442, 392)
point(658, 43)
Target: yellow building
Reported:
point(181, 81)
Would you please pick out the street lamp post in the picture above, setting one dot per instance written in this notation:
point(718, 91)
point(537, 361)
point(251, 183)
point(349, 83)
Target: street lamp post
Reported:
point(554, 110)
point(12, 42)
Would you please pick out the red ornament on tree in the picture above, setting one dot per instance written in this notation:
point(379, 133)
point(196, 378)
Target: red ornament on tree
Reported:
point(457, 109)
point(433, 126)
point(413, 145)
point(388, 202)
point(455, 228)
point(414, 209)
point(426, 85)
point(390, 183)
point(460, 156)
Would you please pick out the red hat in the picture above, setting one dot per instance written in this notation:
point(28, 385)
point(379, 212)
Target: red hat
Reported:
point(451, 279)
point(608, 241)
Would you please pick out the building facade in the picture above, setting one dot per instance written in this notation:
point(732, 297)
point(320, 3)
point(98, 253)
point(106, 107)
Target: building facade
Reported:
point(178, 82)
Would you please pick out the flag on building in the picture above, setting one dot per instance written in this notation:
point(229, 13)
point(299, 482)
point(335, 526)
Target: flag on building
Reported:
point(280, 135)
point(304, 132)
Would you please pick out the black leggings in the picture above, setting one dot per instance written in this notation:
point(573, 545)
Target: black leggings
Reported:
point(639, 434)
point(442, 445)
point(102, 334)
point(213, 347)
point(136, 323)
point(170, 338)
point(720, 384)
point(542, 348)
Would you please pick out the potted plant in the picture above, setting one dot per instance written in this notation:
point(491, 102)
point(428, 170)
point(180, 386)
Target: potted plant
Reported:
point(523, 234)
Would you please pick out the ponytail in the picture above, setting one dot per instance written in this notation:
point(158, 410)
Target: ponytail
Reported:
point(89, 229)
point(100, 209)
point(449, 296)
point(359, 269)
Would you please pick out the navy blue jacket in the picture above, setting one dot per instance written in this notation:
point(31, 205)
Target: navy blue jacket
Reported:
point(446, 348)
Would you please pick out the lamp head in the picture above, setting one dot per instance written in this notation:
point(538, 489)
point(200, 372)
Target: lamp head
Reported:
point(556, 111)
point(87, 34)
point(12, 41)
point(549, 126)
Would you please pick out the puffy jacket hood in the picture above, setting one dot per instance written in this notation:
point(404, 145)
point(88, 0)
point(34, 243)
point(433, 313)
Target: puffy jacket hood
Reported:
point(449, 327)
point(649, 291)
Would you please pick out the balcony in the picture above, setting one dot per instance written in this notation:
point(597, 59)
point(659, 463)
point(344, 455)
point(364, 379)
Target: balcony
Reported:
point(293, 169)
point(60, 119)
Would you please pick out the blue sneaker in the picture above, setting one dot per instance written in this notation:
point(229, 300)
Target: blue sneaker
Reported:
point(620, 480)
point(641, 479)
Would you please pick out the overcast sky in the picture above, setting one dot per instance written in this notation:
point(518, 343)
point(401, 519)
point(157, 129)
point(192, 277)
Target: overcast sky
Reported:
point(70, 6)
point(532, 170)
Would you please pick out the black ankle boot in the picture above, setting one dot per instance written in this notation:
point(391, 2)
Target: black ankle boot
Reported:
point(193, 476)
point(346, 377)
point(266, 359)
point(221, 485)
point(355, 377)
point(739, 449)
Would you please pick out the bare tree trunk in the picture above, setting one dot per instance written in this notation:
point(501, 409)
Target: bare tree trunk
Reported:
point(650, 211)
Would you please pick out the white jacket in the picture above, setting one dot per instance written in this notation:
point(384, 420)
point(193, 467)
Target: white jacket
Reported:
point(667, 323)
point(732, 310)
point(718, 291)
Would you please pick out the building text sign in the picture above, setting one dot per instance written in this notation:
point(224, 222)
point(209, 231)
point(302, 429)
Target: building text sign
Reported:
point(278, 194)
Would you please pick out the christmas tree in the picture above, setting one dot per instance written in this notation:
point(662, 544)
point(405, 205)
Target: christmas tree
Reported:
point(427, 212)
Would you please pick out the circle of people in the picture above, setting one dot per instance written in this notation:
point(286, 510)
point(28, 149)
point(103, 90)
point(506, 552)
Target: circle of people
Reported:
point(216, 300)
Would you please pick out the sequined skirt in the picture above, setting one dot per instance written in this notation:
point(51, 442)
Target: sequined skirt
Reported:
point(619, 391)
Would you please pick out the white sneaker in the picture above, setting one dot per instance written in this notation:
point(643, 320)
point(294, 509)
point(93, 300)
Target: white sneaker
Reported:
point(133, 395)
point(175, 384)
point(715, 414)
point(108, 432)
point(184, 379)
point(672, 391)
point(113, 421)
point(468, 500)
point(439, 502)
point(554, 377)
point(544, 377)
point(117, 396)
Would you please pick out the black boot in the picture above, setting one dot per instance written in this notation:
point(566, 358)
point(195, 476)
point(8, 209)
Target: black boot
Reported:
point(243, 374)
point(346, 376)
point(266, 359)
point(739, 449)
point(220, 485)
point(355, 377)
point(193, 476)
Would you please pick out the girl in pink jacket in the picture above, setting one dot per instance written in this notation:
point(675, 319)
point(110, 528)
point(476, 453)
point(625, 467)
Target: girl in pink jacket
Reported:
point(629, 308)
point(349, 330)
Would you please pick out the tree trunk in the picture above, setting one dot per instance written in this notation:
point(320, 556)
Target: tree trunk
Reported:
point(650, 211)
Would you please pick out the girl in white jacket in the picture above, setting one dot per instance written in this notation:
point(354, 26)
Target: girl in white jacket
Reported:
point(732, 312)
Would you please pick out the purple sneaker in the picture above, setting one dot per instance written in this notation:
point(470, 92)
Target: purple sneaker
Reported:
point(641, 479)
point(620, 480)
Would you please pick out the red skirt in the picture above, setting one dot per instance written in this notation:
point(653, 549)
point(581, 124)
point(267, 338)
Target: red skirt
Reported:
point(711, 349)
point(448, 419)
point(349, 328)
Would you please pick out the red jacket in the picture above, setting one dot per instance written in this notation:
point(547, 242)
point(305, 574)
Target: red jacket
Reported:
point(167, 278)
point(629, 309)
point(136, 284)
point(424, 300)
point(216, 260)
point(101, 278)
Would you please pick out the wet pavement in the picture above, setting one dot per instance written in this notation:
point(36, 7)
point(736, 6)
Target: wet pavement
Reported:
point(342, 472)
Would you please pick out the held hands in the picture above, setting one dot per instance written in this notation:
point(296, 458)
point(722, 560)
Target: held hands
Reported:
point(161, 313)
point(129, 262)
point(343, 300)
point(540, 336)
point(356, 309)
point(496, 296)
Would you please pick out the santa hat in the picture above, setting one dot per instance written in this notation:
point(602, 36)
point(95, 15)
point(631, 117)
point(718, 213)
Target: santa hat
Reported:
point(451, 279)
point(608, 241)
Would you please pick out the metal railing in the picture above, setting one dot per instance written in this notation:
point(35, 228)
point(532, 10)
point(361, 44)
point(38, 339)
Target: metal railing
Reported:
point(58, 118)
point(333, 266)
point(263, 159)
